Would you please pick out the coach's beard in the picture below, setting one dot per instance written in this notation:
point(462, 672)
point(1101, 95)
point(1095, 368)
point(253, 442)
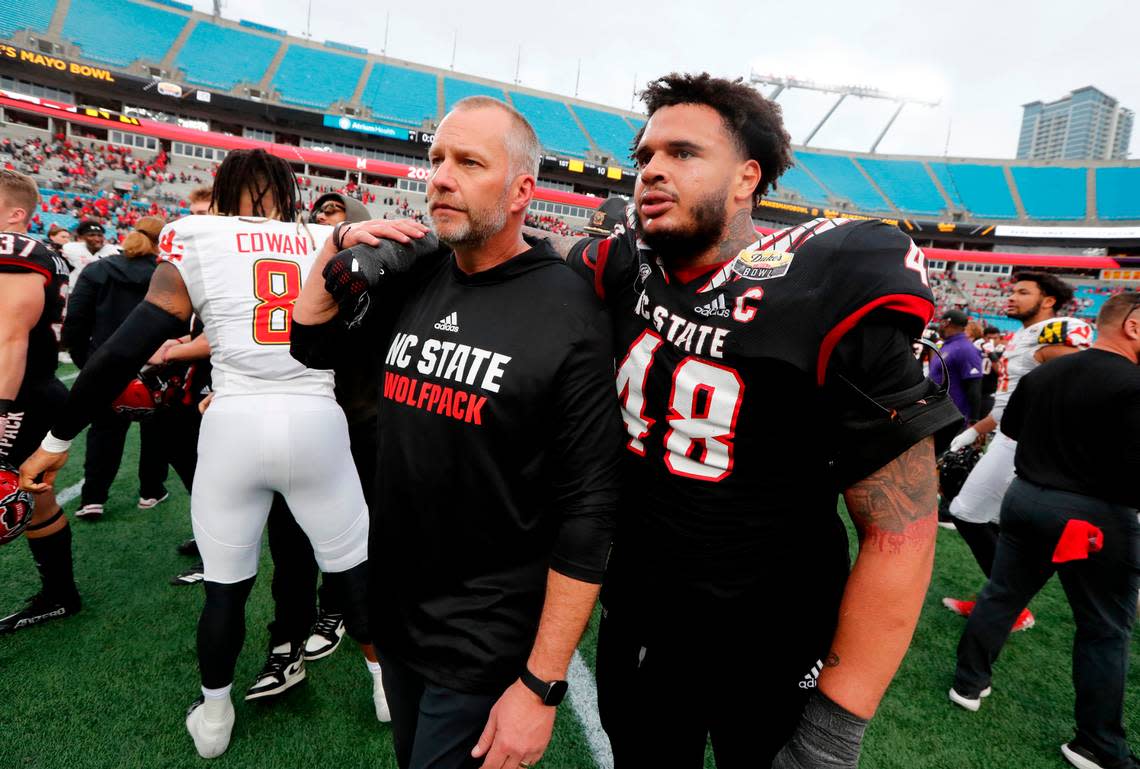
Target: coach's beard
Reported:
point(479, 227)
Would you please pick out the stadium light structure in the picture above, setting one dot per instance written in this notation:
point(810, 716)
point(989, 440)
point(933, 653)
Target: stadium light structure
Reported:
point(841, 92)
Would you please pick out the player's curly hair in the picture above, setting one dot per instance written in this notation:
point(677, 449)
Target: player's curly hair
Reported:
point(1049, 285)
point(755, 122)
point(265, 175)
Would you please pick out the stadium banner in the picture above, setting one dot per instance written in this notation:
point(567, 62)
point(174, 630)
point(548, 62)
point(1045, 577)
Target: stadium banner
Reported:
point(575, 166)
point(1120, 274)
point(1115, 234)
point(35, 59)
point(345, 123)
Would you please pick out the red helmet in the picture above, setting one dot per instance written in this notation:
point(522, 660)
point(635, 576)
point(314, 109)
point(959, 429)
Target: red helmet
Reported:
point(16, 505)
point(152, 389)
point(136, 401)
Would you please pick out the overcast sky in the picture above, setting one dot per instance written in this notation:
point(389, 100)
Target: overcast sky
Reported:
point(982, 58)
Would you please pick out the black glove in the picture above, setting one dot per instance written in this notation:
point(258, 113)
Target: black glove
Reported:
point(353, 273)
point(828, 737)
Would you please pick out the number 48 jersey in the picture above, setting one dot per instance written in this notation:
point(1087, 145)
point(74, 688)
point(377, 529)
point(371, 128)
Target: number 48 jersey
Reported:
point(243, 275)
point(724, 383)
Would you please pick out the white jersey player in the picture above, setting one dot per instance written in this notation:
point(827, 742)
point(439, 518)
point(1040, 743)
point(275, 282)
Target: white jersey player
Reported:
point(1042, 337)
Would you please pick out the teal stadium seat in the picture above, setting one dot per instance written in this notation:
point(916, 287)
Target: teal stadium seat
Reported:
point(1051, 193)
point(1118, 193)
point(401, 95)
point(981, 190)
point(219, 57)
point(553, 123)
point(610, 132)
point(309, 77)
point(16, 15)
point(119, 32)
point(455, 89)
point(1094, 301)
point(66, 221)
point(843, 178)
point(795, 179)
point(906, 183)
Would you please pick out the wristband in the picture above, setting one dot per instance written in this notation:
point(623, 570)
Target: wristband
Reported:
point(338, 235)
point(54, 445)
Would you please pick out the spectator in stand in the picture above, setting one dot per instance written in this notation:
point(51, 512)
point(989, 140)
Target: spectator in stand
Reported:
point(103, 296)
point(58, 237)
point(963, 364)
point(90, 244)
point(199, 200)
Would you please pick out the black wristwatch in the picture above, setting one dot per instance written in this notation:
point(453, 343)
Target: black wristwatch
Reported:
point(550, 692)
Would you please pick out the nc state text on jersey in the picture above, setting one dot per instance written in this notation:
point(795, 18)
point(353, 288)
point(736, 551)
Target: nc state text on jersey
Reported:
point(691, 337)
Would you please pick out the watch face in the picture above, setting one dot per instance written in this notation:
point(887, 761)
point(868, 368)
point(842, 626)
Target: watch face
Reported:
point(556, 692)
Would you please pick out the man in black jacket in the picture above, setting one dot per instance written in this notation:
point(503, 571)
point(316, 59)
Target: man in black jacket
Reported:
point(105, 293)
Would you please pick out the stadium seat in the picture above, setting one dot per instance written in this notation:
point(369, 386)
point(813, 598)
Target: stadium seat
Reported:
point(63, 220)
point(455, 89)
point(610, 133)
point(208, 57)
point(309, 77)
point(843, 178)
point(795, 179)
point(16, 15)
point(400, 94)
point(906, 183)
point(1118, 193)
point(1051, 193)
point(119, 32)
point(552, 121)
point(979, 189)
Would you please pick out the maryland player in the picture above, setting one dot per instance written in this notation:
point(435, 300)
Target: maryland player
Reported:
point(32, 282)
point(273, 425)
point(1035, 299)
point(759, 378)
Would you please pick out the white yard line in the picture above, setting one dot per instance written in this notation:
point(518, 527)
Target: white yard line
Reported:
point(69, 377)
point(70, 493)
point(584, 699)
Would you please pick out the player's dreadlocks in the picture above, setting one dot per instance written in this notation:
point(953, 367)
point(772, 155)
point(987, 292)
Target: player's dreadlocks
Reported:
point(756, 123)
point(269, 179)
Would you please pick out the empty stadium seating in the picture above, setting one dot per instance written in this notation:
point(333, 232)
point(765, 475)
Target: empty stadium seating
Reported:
point(610, 133)
point(25, 14)
point(455, 89)
point(1118, 193)
point(552, 121)
point(220, 57)
point(313, 78)
point(907, 184)
point(1087, 300)
point(796, 180)
point(1051, 193)
point(400, 94)
point(119, 32)
point(979, 189)
point(843, 178)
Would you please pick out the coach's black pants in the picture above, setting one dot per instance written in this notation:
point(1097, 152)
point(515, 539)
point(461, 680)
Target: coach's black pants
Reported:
point(105, 440)
point(294, 585)
point(1101, 591)
point(433, 726)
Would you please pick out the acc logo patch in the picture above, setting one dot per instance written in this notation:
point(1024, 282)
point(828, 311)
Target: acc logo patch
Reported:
point(762, 265)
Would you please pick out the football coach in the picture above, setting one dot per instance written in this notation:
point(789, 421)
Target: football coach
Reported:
point(500, 445)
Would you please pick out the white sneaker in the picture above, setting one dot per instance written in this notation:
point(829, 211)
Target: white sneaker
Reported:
point(146, 503)
point(970, 703)
point(90, 512)
point(211, 738)
point(379, 699)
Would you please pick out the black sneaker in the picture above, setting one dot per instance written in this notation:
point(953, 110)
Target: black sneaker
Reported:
point(1083, 758)
point(284, 668)
point(39, 608)
point(191, 576)
point(190, 548)
point(327, 632)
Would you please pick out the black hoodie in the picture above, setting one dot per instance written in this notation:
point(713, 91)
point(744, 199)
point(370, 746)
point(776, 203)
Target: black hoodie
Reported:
point(104, 295)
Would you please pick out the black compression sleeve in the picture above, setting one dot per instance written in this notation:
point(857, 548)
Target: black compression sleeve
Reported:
point(113, 366)
point(973, 390)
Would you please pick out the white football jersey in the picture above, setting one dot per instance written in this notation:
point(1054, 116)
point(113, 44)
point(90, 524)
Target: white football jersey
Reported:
point(1019, 357)
point(78, 257)
point(243, 275)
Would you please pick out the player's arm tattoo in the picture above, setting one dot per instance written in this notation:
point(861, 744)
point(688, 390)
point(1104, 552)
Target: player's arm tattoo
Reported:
point(168, 291)
point(898, 502)
point(560, 243)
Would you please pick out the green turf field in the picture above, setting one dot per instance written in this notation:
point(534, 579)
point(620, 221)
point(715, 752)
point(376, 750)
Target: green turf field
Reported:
point(109, 688)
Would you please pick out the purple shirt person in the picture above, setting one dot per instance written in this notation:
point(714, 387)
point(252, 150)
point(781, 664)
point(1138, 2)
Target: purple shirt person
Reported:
point(963, 362)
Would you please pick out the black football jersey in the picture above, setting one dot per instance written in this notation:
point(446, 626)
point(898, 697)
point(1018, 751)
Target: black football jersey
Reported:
point(725, 392)
point(19, 253)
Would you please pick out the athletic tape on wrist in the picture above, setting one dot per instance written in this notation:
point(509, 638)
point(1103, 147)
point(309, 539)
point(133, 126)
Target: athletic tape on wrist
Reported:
point(54, 445)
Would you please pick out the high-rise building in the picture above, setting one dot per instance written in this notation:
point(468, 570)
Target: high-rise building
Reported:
point(1088, 124)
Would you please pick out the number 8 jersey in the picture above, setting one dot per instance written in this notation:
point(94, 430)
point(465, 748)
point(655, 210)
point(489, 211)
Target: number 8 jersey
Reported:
point(243, 275)
point(723, 378)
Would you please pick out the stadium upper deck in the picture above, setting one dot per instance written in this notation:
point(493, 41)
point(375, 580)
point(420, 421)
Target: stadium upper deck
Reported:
point(170, 42)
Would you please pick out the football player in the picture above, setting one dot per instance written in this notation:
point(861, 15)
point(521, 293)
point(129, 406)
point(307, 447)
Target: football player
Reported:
point(273, 425)
point(1035, 299)
point(32, 281)
point(759, 379)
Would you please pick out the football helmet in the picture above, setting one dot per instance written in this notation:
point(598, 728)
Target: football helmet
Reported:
point(16, 505)
point(953, 469)
point(152, 389)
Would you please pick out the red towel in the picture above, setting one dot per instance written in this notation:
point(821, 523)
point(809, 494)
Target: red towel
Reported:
point(1078, 540)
